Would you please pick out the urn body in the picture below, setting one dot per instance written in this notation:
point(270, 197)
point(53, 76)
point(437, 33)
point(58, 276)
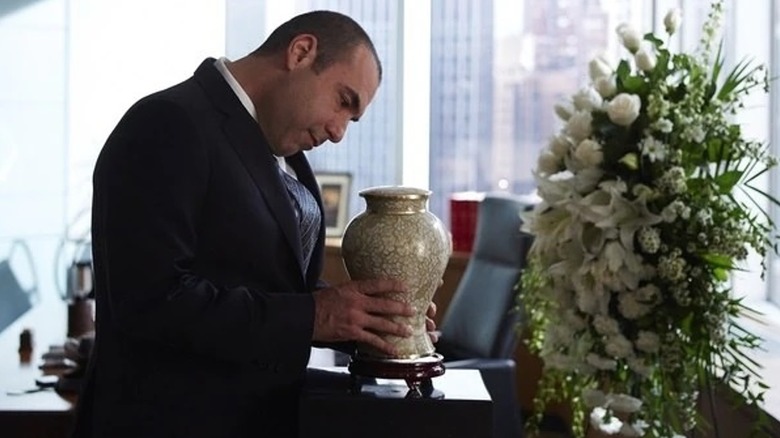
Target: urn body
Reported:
point(397, 237)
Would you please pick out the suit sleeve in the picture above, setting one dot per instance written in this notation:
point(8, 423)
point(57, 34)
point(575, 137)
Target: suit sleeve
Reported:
point(149, 189)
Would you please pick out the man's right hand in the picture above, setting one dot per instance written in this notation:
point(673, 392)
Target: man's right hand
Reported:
point(356, 311)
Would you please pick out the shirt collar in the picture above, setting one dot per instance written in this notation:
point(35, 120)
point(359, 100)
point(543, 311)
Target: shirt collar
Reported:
point(221, 66)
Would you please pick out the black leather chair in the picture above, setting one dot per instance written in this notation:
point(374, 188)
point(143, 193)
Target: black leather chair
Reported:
point(480, 327)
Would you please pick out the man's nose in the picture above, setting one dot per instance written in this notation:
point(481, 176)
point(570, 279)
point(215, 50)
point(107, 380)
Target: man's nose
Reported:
point(336, 130)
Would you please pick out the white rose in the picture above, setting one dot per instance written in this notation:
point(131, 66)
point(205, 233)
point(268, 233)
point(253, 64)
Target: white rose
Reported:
point(640, 367)
point(610, 425)
point(624, 108)
point(560, 145)
point(601, 363)
point(573, 320)
point(645, 59)
point(630, 308)
point(548, 163)
point(648, 342)
point(606, 86)
point(672, 20)
point(630, 37)
point(579, 125)
point(605, 325)
point(649, 294)
point(624, 403)
point(589, 153)
point(593, 398)
point(564, 111)
point(598, 68)
point(619, 346)
point(635, 429)
point(587, 99)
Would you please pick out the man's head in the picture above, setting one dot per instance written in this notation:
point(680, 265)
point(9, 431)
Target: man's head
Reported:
point(338, 36)
point(324, 71)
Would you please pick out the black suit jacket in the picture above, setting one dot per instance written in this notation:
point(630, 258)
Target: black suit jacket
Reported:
point(204, 314)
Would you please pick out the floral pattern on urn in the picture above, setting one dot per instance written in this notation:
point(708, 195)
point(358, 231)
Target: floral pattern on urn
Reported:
point(397, 237)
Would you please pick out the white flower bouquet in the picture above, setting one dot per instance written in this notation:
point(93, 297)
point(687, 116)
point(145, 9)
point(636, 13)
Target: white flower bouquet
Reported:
point(648, 203)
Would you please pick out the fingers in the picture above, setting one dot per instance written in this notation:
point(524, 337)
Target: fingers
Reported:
point(379, 324)
point(384, 305)
point(387, 306)
point(380, 286)
point(431, 312)
point(371, 334)
point(355, 311)
point(430, 325)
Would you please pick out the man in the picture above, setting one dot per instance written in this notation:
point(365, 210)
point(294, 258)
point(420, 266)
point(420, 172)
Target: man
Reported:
point(208, 242)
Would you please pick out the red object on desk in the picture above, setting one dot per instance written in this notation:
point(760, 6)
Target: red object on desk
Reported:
point(463, 219)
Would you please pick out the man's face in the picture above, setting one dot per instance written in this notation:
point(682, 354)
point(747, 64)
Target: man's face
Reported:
point(315, 107)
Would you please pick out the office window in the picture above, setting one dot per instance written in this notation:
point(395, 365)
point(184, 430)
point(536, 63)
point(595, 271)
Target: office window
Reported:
point(516, 59)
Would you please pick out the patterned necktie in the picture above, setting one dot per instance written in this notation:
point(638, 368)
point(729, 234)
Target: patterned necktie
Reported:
point(307, 212)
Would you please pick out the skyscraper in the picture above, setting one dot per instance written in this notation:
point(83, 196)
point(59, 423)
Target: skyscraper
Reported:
point(461, 130)
point(544, 63)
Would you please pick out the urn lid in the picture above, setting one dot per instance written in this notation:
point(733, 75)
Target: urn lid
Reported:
point(395, 199)
point(395, 192)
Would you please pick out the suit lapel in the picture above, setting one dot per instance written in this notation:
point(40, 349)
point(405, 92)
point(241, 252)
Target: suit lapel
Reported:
point(247, 140)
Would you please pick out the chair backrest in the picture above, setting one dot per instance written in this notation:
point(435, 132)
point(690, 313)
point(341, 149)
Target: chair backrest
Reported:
point(15, 301)
point(480, 321)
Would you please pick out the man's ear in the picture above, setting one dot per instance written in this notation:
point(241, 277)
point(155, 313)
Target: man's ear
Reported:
point(302, 51)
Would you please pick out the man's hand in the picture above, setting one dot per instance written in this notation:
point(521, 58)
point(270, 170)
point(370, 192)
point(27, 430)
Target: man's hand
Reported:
point(353, 311)
point(430, 325)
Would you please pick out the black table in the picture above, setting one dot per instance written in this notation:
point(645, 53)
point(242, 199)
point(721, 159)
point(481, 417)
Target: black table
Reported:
point(459, 406)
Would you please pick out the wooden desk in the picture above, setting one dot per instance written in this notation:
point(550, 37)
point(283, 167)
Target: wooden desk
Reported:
point(44, 414)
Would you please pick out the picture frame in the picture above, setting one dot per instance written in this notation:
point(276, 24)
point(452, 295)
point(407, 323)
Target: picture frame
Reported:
point(335, 191)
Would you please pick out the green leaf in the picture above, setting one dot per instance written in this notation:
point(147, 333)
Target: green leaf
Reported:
point(630, 160)
point(720, 274)
point(634, 84)
point(715, 150)
point(657, 42)
point(623, 71)
point(771, 198)
point(737, 77)
point(718, 260)
point(662, 66)
point(727, 180)
point(716, 68)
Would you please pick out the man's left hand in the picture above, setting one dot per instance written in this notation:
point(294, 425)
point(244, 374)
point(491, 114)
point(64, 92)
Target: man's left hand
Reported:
point(430, 325)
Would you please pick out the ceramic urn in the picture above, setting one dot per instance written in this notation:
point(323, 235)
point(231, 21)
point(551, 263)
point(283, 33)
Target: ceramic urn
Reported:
point(397, 237)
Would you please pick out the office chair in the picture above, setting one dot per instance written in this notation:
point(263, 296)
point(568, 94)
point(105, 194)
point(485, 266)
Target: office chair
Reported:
point(15, 301)
point(479, 329)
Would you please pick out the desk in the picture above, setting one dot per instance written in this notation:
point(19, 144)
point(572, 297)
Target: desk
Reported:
point(44, 414)
point(327, 408)
point(462, 408)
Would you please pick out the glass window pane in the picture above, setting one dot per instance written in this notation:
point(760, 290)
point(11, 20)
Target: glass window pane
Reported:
point(497, 69)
